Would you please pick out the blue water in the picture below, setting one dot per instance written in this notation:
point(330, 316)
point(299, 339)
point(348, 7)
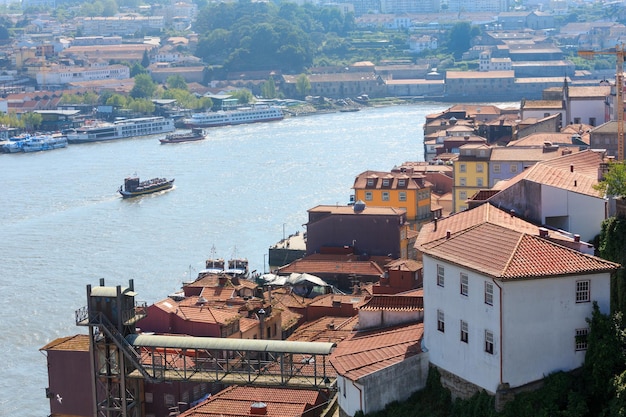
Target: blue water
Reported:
point(63, 226)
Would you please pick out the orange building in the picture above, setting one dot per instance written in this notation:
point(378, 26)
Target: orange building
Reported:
point(402, 188)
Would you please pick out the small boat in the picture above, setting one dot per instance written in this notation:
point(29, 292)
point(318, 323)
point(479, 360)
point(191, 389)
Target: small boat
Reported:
point(44, 143)
point(133, 187)
point(349, 109)
point(194, 135)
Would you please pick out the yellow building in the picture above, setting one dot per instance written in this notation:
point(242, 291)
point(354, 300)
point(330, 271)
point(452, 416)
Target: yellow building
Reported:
point(402, 188)
point(471, 174)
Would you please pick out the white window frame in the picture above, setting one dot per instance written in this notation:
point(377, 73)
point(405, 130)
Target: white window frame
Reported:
point(386, 182)
point(489, 342)
point(462, 168)
point(479, 167)
point(496, 168)
point(402, 196)
point(464, 332)
point(581, 339)
point(401, 183)
point(488, 293)
point(441, 275)
point(370, 182)
point(368, 196)
point(441, 322)
point(464, 284)
point(583, 291)
point(385, 196)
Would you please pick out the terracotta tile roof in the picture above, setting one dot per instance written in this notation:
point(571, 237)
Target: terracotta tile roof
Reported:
point(189, 310)
point(76, 343)
point(543, 104)
point(536, 153)
point(369, 210)
point(393, 303)
point(363, 268)
point(394, 176)
point(367, 352)
point(327, 300)
point(538, 139)
point(506, 253)
point(288, 318)
point(325, 329)
point(404, 265)
point(283, 297)
point(236, 401)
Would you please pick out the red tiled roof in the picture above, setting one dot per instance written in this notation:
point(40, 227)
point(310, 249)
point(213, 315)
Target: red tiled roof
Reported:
point(325, 329)
point(362, 268)
point(79, 342)
point(367, 352)
point(393, 303)
point(506, 254)
point(236, 401)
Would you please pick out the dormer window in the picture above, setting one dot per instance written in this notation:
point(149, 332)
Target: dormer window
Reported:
point(401, 183)
point(370, 182)
point(385, 183)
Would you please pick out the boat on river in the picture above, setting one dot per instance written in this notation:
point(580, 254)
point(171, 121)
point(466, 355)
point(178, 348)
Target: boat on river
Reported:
point(192, 136)
point(95, 131)
point(133, 187)
point(35, 143)
point(242, 115)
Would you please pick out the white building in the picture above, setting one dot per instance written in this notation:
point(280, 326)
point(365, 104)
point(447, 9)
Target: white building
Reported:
point(559, 194)
point(487, 63)
point(63, 75)
point(505, 304)
point(418, 44)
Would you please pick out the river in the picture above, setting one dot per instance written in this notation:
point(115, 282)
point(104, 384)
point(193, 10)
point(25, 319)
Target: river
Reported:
point(63, 226)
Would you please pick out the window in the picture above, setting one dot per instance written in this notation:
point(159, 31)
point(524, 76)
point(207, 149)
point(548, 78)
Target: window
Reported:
point(464, 332)
point(464, 284)
point(441, 325)
point(385, 196)
point(440, 275)
point(370, 182)
point(479, 167)
point(462, 168)
point(581, 339)
point(488, 293)
point(463, 195)
point(401, 183)
point(577, 120)
point(385, 183)
point(513, 168)
point(496, 168)
point(489, 342)
point(592, 121)
point(582, 291)
point(402, 196)
point(368, 196)
point(479, 182)
point(462, 181)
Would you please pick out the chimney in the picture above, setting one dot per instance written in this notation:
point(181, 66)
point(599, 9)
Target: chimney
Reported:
point(512, 212)
point(543, 232)
point(575, 183)
point(222, 280)
point(448, 234)
point(576, 238)
point(435, 224)
point(258, 409)
point(571, 168)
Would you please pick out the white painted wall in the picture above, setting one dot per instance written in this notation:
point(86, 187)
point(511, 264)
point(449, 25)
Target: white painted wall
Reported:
point(540, 318)
point(585, 213)
point(374, 319)
point(587, 109)
point(350, 395)
point(467, 360)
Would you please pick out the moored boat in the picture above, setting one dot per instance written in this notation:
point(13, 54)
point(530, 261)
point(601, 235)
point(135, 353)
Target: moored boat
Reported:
point(34, 143)
point(95, 131)
point(192, 136)
point(242, 115)
point(133, 187)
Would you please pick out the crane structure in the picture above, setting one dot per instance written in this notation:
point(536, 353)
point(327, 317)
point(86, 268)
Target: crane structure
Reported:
point(619, 91)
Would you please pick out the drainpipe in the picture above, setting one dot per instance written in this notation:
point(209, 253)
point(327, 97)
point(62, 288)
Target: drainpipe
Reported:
point(360, 395)
point(501, 346)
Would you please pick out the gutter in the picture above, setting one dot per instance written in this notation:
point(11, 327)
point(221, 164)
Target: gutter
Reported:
point(501, 345)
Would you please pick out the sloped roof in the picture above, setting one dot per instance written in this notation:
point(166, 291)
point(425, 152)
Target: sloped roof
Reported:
point(363, 268)
point(79, 342)
point(393, 303)
point(508, 254)
point(367, 352)
point(325, 329)
point(237, 401)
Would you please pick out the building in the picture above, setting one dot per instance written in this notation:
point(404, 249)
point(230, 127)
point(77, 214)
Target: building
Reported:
point(559, 193)
point(402, 188)
point(479, 328)
point(471, 173)
point(361, 229)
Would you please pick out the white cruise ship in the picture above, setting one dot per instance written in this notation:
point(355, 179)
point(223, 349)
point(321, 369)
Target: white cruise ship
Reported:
point(99, 131)
point(242, 115)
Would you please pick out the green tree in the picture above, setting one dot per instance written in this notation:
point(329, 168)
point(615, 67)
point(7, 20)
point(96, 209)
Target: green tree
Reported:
point(31, 120)
point(460, 37)
point(144, 87)
point(141, 105)
point(243, 96)
point(137, 69)
point(116, 100)
point(614, 182)
point(303, 85)
point(612, 246)
point(109, 8)
point(176, 81)
point(268, 89)
point(145, 61)
point(604, 358)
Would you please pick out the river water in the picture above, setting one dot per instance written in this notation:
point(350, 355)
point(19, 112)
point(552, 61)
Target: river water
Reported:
point(63, 226)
